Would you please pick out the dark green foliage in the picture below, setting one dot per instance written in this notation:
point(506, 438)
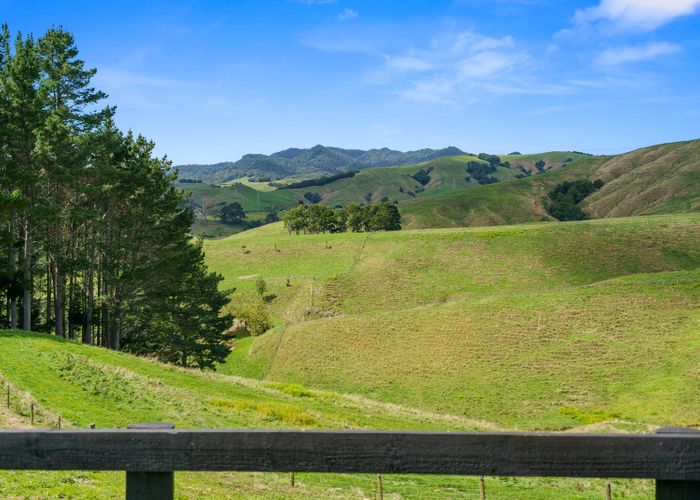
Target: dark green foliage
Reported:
point(320, 219)
point(566, 198)
point(321, 181)
point(271, 217)
point(91, 212)
point(515, 153)
point(422, 177)
point(493, 160)
point(480, 172)
point(598, 183)
point(260, 286)
point(312, 197)
point(190, 181)
point(232, 213)
point(539, 165)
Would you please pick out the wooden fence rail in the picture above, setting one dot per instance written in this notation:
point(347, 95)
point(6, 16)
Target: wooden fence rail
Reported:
point(150, 453)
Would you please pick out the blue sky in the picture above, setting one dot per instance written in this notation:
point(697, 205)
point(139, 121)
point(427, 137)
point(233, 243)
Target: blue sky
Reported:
point(210, 81)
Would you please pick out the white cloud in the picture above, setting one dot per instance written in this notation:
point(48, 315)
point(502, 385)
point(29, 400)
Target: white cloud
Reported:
point(347, 14)
point(408, 63)
point(646, 15)
point(451, 66)
point(636, 53)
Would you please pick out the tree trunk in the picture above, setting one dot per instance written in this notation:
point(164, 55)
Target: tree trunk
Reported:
point(87, 314)
point(58, 300)
point(27, 280)
point(13, 314)
point(71, 306)
point(48, 298)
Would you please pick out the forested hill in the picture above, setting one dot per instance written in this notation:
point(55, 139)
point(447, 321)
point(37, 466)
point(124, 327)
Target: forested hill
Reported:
point(316, 161)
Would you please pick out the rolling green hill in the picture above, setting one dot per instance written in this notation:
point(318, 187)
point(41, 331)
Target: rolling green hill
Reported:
point(86, 385)
point(447, 175)
point(309, 162)
point(655, 180)
point(538, 326)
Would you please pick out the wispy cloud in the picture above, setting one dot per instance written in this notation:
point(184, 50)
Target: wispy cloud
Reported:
point(645, 15)
point(621, 55)
point(451, 66)
point(347, 14)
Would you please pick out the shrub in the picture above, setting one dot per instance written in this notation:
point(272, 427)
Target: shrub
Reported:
point(312, 197)
point(566, 197)
point(254, 315)
point(260, 286)
point(422, 177)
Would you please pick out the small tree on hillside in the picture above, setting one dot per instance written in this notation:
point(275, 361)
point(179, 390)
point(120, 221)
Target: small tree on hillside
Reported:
point(260, 286)
point(232, 213)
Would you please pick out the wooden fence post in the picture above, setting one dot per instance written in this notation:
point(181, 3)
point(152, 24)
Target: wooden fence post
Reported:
point(31, 413)
point(380, 489)
point(482, 488)
point(8, 396)
point(150, 485)
point(608, 491)
point(677, 490)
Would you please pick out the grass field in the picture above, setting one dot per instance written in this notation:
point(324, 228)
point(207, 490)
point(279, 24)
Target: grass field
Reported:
point(91, 385)
point(537, 326)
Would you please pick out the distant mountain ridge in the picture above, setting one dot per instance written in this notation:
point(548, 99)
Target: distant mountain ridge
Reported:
point(309, 162)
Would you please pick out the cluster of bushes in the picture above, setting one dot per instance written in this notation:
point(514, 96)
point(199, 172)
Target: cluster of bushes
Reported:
point(190, 181)
point(493, 160)
point(233, 214)
point(567, 196)
point(314, 219)
point(320, 181)
point(423, 176)
point(312, 197)
point(480, 172)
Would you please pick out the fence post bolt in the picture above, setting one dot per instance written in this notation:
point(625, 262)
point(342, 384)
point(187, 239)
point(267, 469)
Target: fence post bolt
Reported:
point(677, 490)
point(150, 485)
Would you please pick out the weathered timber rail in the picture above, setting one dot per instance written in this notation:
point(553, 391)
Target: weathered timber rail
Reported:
point(151, 453)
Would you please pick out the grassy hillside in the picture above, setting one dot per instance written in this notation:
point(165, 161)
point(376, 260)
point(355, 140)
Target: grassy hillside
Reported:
point(539, 326)
point(655, 180)
point(91, 385)
point(447, 175)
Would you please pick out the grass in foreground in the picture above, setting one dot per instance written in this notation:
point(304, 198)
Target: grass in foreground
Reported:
point(92, 385)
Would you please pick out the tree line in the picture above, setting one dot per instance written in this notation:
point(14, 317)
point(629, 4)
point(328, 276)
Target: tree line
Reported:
point(94, 235)
point(313, 219)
